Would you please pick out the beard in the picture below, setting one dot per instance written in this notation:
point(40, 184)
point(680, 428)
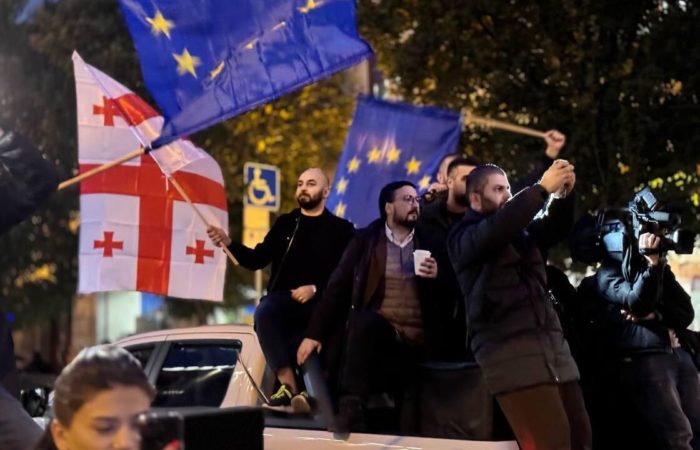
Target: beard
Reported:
point(488, 207)
point(409, 221)
point(462, 200)
point(308, 202)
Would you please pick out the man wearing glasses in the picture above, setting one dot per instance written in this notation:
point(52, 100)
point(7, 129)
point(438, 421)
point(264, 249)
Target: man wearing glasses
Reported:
point(380, 291)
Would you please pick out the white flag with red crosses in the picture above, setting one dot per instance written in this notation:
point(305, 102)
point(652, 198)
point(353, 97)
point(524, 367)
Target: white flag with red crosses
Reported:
point(137, 233)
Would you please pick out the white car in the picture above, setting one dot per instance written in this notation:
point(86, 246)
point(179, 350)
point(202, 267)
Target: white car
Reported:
point(223, 366)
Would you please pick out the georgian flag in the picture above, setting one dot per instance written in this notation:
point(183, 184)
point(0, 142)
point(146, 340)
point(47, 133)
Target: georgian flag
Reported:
point(137, 233)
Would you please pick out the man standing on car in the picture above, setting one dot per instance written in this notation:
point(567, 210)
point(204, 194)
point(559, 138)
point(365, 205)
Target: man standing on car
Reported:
point(304, 246)
point(515, 334)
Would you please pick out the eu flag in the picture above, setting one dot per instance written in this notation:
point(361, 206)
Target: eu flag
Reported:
point(389, 142)
point(205, 61)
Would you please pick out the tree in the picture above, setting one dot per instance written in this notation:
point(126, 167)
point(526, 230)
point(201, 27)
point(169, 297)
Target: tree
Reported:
point(37, 93)
point(619, 78)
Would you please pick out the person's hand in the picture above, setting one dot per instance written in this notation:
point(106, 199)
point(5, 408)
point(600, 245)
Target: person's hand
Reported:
point(559, 175)
point(555, 142)
point(632, 318)
point(649, 241)
point(428, 268)
point(218, 236)
point(303, 294)
point(306, 348)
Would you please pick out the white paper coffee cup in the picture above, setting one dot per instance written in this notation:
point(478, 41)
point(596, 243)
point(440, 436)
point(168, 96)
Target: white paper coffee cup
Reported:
point(418, 257)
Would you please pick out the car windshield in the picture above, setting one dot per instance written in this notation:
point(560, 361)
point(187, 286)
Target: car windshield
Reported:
point(196, 374)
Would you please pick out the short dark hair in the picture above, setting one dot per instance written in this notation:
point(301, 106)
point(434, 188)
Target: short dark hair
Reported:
point(387, 194)
point(462, 161)
point(94, 370)
point(477, 179)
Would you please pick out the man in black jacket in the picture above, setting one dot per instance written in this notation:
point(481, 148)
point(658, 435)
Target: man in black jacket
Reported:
point(377, 280)
point(447, 308)
point(26, 180)
point(646, 315)
point(516, 337)
point(304, 246)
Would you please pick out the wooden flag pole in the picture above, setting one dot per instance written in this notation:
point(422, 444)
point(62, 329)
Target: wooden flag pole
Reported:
point(181, 191)
point(77, 179)
point(492, 123)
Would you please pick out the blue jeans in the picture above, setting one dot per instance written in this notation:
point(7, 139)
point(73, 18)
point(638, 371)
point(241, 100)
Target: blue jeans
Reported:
point(280, 323)
point(664, 388)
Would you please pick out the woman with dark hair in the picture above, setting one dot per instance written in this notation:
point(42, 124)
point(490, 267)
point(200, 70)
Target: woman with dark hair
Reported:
point(97, 400)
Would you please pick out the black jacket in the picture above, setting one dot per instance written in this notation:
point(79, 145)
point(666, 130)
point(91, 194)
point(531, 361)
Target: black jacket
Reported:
point(515, 333)
point(653, 289)
point(26, 180)
point(447, 303)
point(358, 283)
point(321, 254)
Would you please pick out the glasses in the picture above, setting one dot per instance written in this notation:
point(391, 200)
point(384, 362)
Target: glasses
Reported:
point(410, 199)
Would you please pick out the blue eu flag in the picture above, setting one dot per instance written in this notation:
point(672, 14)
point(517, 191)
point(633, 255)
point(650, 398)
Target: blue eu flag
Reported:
point(205, 61)
point(389, 142)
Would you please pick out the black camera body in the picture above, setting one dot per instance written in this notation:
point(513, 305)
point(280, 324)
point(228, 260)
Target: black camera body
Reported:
point(614, 232)
point(646, 218)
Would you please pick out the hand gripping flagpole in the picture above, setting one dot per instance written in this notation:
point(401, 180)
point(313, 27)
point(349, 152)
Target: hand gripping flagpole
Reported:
point(492, 123)
point(181, 191)
point(144, 149)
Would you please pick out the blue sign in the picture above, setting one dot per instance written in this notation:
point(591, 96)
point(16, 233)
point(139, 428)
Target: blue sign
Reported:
point(262, 186)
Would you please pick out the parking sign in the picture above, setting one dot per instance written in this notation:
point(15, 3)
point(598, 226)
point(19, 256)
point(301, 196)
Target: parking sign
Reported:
point(262, 186)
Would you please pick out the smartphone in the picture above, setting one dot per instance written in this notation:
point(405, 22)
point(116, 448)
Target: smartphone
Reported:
point(162, 430)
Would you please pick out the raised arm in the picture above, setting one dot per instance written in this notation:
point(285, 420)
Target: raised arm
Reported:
point(469, 241)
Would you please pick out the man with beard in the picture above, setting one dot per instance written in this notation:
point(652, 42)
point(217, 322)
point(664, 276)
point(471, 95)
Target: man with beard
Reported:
point(433, 224)
point(304, 246)
point(378, 286)
point(515, 334)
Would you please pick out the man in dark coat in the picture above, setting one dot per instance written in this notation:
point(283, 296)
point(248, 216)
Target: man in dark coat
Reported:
point(646, 313)
point(378, 285)
point(304, 246)
point(26, 180)
point(516, 337)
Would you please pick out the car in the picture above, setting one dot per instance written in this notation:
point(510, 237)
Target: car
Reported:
point(222, 366)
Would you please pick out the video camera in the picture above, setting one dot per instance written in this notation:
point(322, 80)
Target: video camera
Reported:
point(614, 231)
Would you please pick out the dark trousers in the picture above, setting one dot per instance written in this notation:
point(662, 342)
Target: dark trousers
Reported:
point(375, 360)
point(548, 417)
point(665, 390)
point(280, 323)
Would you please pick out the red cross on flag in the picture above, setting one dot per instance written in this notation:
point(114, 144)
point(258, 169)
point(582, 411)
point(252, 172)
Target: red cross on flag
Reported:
point(137, 233)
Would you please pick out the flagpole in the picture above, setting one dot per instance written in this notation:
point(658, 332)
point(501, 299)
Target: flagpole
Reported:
point(77, 179)
point(181, 191)
point(492, 123)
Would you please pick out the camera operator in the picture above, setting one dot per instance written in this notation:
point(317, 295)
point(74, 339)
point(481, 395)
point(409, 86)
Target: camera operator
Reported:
point(646, 313)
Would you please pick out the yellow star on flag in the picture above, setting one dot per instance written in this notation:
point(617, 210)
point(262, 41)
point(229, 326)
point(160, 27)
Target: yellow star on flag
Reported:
point(187, 63)
point(160, 24)
point(374, 155)
point(342, 185)
point(624, 168)
point(412, 166)
point(310, 4)
point(393, 155)
point(217, 70)
point(353, 165)
point(424, 182)
point(340, 209)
